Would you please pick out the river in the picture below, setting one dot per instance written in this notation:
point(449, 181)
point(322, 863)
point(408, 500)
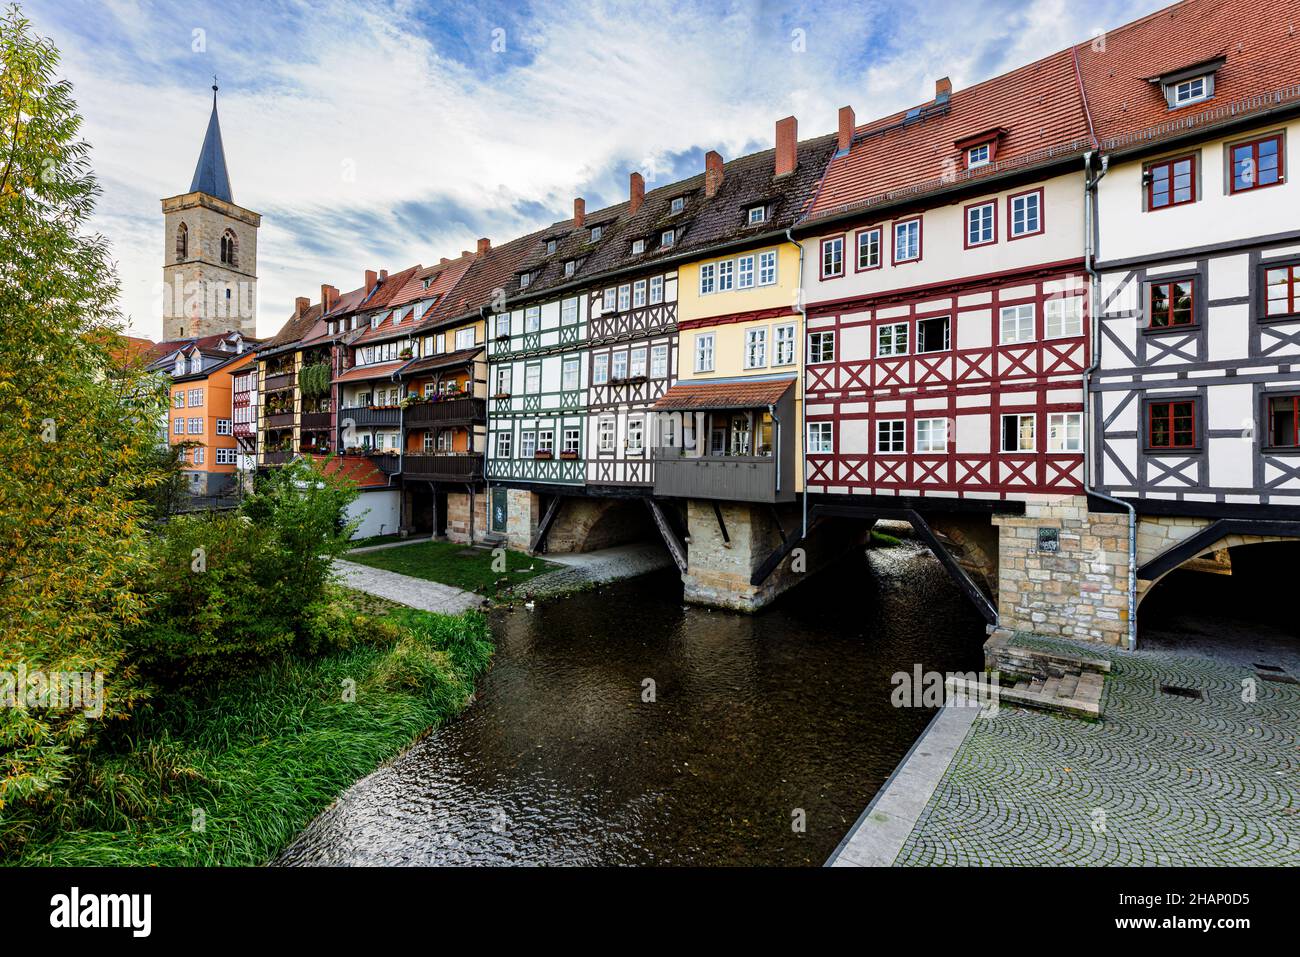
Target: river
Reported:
point(759, 741)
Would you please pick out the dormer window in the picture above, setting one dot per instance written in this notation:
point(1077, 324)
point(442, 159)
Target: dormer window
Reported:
point(427, 283)
point(638, 247)
point(757, 214)
point(550, 246)
point(980, 149)
point(179, 368)
point(978, 156)
point(597, 232)
point(1190, 91)
point(570, 267)
point(1191, 84)
point(678, 204)
point(668, 238)
point(525, 279)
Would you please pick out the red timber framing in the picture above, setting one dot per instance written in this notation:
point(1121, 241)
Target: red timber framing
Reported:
point(971, 385)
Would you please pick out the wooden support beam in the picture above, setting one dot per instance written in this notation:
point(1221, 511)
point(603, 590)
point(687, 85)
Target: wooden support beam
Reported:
point(1190, 547)
point(675, 548)
point(963, 580)
point(539, 539)
point(722, 525)
point(773, 561)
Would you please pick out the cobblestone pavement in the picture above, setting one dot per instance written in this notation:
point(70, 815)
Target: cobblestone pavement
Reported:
point(1160, 780)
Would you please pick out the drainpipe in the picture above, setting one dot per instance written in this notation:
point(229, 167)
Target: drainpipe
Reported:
point(1090, 220)
point(803, 351)
point(776, 450)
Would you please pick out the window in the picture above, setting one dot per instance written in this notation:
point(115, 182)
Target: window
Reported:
point(465, 338)
point(224, 427)
point(704, 352)
point(638, 293)
point(196, 398)
point(199, 455)
point(524, 280)
point(667, 431)
point(624, 297)
point(1063, 317)
point(569, 377)
point(931, 435)
point(1017, 323)
point(1282, 290)
point(226, 457)
point(706, 279)
point(608, 303)
point(784, 346)
point(569, 311)
point(178, 426)
point(668, 237)
point(1171, 182)
point(637, 366)
point(503, 380)
point(678, 204)
point(821, 347)
point(659, 362)
point(1284, 421)
point(745, 272)
point(981, 224)
point(1025, 214)
point(656, 289)
point(1018, 432)
point(444, 442)
point(527, 444)
point(755, 348)
point(1256, 164)
point(932, 334)
point(638, 247)
point(572, 440)
point(597, 232)
point(550, 246)
point(503, 445)
point(182, 242)
point(869, 249)
point(618, 369)
point(978, 156)
point(757, 214)
point(178, 399)
point(605, 434)
point(1065, 432)
point(600, 370)
point(1171, 425)
point(1170, 304)
point(533, 378)
point(833, 257)
point(546, 440)
point(635, 433)
point(532, 319)
point(726, 275)
point(1189, 91)
point(431, 388)
point(821, 437)
point(570, 266)
point(229, 248)
point(891, 339)
point(891, 435)
point(767, 268)
point(503, 329)
point(194, 426)
point(907, 241)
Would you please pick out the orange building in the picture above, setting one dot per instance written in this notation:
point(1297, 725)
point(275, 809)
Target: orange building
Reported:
point(201, 416)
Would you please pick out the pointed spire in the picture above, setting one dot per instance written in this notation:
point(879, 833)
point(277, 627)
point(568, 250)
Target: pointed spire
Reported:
point(210, 174)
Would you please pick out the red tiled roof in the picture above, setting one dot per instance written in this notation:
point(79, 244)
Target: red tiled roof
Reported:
point(494, 270)
point(358, 468)
point(443, 361)
point(1257, 40)
point(441, 277)
point(381, 370)
point(724, 395)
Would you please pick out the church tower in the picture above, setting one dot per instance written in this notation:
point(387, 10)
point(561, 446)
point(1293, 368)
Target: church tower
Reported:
point(209, 251)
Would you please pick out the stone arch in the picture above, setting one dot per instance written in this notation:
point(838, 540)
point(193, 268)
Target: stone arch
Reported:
point(973, 541)
point(182, 242)
point(1145, 587)
point(229, 248)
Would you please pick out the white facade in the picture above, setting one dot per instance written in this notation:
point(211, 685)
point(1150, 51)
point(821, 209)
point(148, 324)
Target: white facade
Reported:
point(379, 511)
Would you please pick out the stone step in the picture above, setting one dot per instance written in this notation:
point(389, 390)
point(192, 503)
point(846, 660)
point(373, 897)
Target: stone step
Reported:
point(1068, 685)
point(1049, 687)
point(1078, 707)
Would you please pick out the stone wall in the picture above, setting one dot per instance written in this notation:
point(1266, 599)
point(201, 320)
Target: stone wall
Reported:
point(586, 524)
point(523, 513)
point(458, 516)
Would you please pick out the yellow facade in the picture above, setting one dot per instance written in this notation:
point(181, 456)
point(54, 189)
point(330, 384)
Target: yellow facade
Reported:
point(781, 294)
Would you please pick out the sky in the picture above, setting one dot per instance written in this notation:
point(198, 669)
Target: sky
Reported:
point(376, 134)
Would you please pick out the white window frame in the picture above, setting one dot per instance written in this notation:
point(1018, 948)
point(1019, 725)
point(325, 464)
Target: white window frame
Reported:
point(1017, 316)
point(927, 445)
point(533, 384)
point(225, 427)
point(465, 338)
point(636, 366)
point(636, 434)
point(1019, 418)
point(638, 247)
point(767, 267)
point(533, 319)
point(757, 214)
point(873, 262)
point(1058, 432)
point(503, 446)
point(1178, 98)
point(546, 440)
point(756, 348)
point(832, 250)
point(668, 238)
point(1023, 201)
point(906, 227)
point(745, 272)
point(618, 365)
point(572, 440)
point(527, 443)
point(606, 434)
point(658, 361)
point(707, 279)
point(704, 352)
point(1057, 313)
point(783, 339)
point(978, 156)
point(624, 297)
point(894, 348)
point(821, 438)
point(638, 293)
point(985, 231)
point(600, 369)
point(726, 275)
point(570, 374)
point(607, 303)
point(656, 290)
point(677, 205)
point(569, 311)
point(891, 433)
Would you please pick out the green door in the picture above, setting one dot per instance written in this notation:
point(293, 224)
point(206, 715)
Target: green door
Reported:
point(498, 509)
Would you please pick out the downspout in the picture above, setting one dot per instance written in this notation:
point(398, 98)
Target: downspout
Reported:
point(1090, 231)
point(771, 410)
point(803, 372)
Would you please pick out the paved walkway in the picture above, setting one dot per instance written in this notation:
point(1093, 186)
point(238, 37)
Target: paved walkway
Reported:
point(580, 569)
point(1162, 779)
point(406, 590)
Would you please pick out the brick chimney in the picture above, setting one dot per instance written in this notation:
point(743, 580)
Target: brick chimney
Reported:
point(635, 193)
point(383, 274)
point(484, 245)
point(301, 305)
point(847, 124)
point(443, 261)
point(372, 280)
point(328, 296)
point(942, 88)
point(712, 173)
point(579, 212)
point(787, 135)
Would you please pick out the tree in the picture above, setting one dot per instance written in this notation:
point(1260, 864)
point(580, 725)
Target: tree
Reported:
point(78, 431)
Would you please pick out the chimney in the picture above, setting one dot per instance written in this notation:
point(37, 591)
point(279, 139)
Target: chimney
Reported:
point(301, 305)
point(787, 135)
point(942, 88)
point(465, 253)
point(712, 173)
point(847, 124)
point(635, 193)
point(372, 279)
point(579, 212)
point(328, 296)
point(484, 245)
point(383, 274)
point(443, 261)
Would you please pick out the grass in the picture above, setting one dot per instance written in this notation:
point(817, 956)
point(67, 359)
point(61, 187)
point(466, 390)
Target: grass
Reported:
point(884, 540)
point(375, 540)
point(231, 777)
point(449, 564)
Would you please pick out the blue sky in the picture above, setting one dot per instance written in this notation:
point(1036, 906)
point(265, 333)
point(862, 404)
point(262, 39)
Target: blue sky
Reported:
point(381, 133)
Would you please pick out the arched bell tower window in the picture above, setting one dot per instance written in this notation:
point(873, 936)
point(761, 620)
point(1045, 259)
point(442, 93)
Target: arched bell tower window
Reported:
point(182, 242)
point(229, 249)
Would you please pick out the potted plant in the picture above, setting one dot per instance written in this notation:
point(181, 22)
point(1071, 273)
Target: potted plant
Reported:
point(568, 455)
point(542, 454)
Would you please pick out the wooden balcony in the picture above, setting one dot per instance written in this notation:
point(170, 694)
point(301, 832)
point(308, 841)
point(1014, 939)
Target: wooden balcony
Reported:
point(316, 420)
point(278, 381)
point(444, 466)
point(386, 462)
point(276, 458)
point(440, 412)
point(282, 420)
point(364, 417)
point(727, 478)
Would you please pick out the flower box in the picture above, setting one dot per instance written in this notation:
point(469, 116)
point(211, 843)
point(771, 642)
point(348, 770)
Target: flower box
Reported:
point(542, 455)
point(569, 455)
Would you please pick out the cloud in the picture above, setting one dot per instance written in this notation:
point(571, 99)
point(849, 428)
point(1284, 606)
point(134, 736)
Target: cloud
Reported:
point(380, 133)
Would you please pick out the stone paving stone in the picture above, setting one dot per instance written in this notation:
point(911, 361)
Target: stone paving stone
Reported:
point(1160, 780)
